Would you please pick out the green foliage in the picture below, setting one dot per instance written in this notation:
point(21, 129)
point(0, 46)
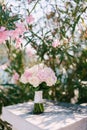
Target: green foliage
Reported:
point(81, 66)
point(16, 59)
point(6, 18)
point(13, 94)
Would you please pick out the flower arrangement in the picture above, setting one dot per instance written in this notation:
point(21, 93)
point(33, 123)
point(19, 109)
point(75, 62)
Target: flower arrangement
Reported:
point(37, 76)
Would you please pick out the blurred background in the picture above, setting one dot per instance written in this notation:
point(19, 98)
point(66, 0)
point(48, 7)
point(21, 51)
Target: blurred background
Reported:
point(55, 36)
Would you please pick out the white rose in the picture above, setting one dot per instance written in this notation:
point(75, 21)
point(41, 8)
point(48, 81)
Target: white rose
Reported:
point(23, 79)
point(34, 81)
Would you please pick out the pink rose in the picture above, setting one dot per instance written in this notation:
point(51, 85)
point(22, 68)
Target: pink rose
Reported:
point(56, 43)
point(38, 74)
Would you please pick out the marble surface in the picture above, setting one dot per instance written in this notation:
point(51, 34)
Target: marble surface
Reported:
point(57, 116)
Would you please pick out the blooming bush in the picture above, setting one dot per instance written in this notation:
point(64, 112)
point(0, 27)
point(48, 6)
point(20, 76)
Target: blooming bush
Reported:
point(59, 44)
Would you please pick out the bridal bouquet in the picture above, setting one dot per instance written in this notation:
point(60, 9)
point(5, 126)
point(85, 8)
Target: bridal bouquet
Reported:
point(36, 76)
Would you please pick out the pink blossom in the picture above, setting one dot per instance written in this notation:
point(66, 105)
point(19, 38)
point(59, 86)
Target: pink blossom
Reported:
point(20, 29)
point(18, 42)
point(25, 76)
point(47, 75)
point(14, 34)
point(2, 29)
point(27, 73)
point(3, 35)
point(56, 43)
point(15, 77)
point(29, 19)
point(42, 75)
point(51, 78)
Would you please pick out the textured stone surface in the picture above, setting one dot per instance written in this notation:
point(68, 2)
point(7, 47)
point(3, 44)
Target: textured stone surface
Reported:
point(58, 116)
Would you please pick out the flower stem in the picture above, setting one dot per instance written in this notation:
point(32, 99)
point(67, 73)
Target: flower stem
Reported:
point(38, 108)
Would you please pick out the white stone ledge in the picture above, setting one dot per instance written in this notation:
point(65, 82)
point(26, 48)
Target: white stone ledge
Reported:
point(56, 117)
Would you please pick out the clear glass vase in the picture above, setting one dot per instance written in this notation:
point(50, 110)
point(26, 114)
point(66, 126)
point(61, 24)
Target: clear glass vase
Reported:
point(38, 103)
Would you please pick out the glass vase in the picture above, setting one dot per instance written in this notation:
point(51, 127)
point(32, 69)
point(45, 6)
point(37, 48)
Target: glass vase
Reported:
point(38, 103)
